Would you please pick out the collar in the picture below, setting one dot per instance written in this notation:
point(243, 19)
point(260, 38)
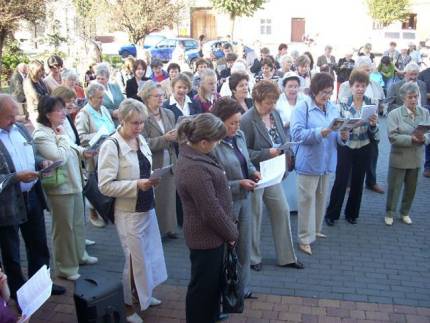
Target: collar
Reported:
point(190, 153)
point(172, 100)
point(366, 100)
point(124, 147)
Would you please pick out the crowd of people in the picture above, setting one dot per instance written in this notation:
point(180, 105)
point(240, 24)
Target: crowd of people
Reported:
point(213, 127)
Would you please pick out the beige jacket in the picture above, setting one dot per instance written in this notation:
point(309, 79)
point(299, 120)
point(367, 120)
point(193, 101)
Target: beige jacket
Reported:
point(59, 147)
point(118, 172)
point(405, 154)
point(31, 99)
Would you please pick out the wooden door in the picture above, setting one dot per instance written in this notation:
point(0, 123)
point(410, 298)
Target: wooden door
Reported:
point(203, 22)
point(297, 29)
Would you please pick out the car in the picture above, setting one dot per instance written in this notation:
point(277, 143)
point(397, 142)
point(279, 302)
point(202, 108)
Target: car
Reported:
point(152, 39)
point(164, 49)
point(127, 50)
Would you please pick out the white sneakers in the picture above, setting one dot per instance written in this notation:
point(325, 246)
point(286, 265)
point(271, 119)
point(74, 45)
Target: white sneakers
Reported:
point(405, 219)
point(154, 302)
point(73, 277)
point(89, 242)
point(90, 260)
point(134, 318)
point(388, 220)
point(321, 235)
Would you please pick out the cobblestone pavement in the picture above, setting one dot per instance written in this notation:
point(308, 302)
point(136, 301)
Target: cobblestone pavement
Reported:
point(361, 273)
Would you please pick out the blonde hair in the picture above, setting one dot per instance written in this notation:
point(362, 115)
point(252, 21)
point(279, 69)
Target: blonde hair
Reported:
point(130, 106)
point(33, 68)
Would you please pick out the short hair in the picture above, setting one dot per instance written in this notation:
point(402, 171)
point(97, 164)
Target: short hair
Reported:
point(155, 62)
point(393, 43)
point(46, 105)
point(181, 77)
point(267, 61)
point(363, 61)
point(385, 60)
point(282, 46)
point(227, 46)
point(201, 61)
point(146, 90)
point(265, 89)
point(238, 66)
point(368, 46)
point(231, 57)
point(235, 79)
point(285, 58)
point(319, 82)
point(64, 92)
point(328, 47)
point(137, 63)
point(407, 88)
point(129, 106)
point(303, 60)
point(204, 126)
point(69, 75)
point(359, 77)
point(54, 61)
point(412, 67)
point(173, 66)
point(226, 107)
point(264, 50)
point(93, 88)
point(102, 69)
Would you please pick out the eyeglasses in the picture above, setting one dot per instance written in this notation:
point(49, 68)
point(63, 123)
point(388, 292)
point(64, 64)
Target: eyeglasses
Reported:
point(157, 96)
point(327, 93)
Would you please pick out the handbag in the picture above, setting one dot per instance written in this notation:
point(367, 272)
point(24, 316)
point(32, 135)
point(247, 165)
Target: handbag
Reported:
point(232, 290)
point(104, 205)
point(57, 178)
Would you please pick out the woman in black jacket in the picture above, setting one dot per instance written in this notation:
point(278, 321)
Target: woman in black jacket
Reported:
point(134, 84)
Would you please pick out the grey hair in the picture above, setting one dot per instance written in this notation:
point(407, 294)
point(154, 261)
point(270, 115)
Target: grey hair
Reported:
point(412, 67)
point(146, 90)
point(207, 73)
point(238, 66)
point(285, 59)
point(102, 69)
point(93, 88)
point(363, 61)
point(69, 75)
point(130, 106)
point(407, 88)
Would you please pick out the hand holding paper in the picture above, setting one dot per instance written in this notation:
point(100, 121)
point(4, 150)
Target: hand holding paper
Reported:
point(272, 171)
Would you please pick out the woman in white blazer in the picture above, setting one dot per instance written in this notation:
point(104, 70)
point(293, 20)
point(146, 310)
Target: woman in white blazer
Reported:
point(124, 169)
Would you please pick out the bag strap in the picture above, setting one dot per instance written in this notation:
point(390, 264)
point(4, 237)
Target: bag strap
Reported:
point(306, 124)
point(117, 147)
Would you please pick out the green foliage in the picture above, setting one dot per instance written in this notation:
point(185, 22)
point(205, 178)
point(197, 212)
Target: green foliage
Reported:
point(114, 60)
point(239, 8)
point(388, 11)
point(12, 56)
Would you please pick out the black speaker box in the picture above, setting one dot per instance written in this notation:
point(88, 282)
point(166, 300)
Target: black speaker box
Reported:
point(99, 299)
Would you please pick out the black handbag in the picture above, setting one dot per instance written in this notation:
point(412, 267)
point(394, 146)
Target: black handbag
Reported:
point(232, 290)
point(104, 205)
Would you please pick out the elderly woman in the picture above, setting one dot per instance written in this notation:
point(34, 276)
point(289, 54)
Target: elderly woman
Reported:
point(238, 83)
point(69, 98)
point(407, 148)
point(264, 133)
point(124, 170)
point(286, 63)
point(173, 70)
point(70, 80)
point(242, 177)
point(316, 157)
point(303, 68)
point(34, 88)
point(160, 133)
point(65, 191)
point(135, 84)
point(53, 80)
point(208, 222)
point(352, 158)
point(207, 94)
point(112, 93)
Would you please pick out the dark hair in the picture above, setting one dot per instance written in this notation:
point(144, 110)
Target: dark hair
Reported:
point(358, 76)
point(263, 90)
point(54, 60)
point(282, 46)
point(173, 66)
point(386, 60)
point(226, 107)
point(137, 63)
point(309, 55)
point(264, 50)
point(269, 62)
point(235, 79)
point(204, 126)
point(227, 46)
point(201, 37)
point(393, 43)
point(231, 57)
point(201, 61)
point(155, 62)
point(46, 105)
point(319, 82)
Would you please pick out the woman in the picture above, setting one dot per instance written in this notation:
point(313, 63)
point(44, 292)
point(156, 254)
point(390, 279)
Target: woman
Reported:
point(160, 133)
point(242, 177)
point(125, 73)
point(135, 84)
point(268, 71)
point(407, 149)
point(343, 69)
point(34, 88)
point(264, 133)
point(286, 63)
point(69, 98)
point(53, 80)
point(303, 70)
point(179, 102)
point(64, 198)
point(238, 83)
point(158, 74)
point(285, 105)
point(70, 80)
point(208, 222)
point(173, 70)
point(316, 156)
point(206, 94)
point(387, 69)
point(352, 158)
point(124, 169)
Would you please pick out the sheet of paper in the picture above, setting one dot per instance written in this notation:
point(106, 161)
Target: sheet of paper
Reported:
point(100, 133)
point(367, 111)
point(351, 124)
point(336, 124)
point(160, 172)
point(421, 129)
point(51, 167)
point(35, 292)
point(272, 171)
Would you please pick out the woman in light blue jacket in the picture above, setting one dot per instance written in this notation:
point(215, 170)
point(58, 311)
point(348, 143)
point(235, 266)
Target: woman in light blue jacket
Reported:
point(316, 156)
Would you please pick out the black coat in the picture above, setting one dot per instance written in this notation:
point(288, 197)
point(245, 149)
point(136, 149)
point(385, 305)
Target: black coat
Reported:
point(131, 88)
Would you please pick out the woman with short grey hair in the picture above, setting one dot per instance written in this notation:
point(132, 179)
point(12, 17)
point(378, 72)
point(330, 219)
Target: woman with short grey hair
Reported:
point(407, 148)
point(70, 80)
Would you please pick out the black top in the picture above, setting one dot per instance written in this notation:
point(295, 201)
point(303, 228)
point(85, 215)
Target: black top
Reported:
point(232, 142)
point(145, 199)
point(40, 88)
point(131, 88)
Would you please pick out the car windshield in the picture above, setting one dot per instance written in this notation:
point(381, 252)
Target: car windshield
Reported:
point(152, 40)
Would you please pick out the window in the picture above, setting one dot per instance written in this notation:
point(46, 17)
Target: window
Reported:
point(265, 26)
point(410, 22)
point(377, 25)
point(191, 44)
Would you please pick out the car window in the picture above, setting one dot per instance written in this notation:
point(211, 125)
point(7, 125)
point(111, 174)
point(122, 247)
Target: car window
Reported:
point(190, 44)
point(167, 43)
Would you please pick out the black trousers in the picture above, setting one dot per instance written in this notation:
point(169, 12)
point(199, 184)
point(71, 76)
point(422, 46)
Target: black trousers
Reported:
point(354, 162)
point(371, 167)
point(204, 290)
point(34, 234)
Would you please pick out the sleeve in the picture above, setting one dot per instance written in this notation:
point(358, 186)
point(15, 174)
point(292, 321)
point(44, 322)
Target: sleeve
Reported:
point(82, 123)
point(299, 132)
point(155, 143)
point(391, 98)
point(57, 149)
point(396, 138)
point(256, 155)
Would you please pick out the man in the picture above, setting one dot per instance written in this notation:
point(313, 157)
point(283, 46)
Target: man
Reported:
point(424, 76)
point(264, 53)
point(327, 62)
point(392, 52)
point(221, 63)
point(16, 80)
point(21, 199)
point(376, 95)
point(367, 51)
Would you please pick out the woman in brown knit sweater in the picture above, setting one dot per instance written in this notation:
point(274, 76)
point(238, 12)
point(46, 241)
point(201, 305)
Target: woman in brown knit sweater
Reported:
point(208, 223)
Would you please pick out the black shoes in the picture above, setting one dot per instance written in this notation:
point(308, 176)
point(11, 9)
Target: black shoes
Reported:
point(329, 222)
point(351, 220)
point(257, 267)
point(295, 265)
point(57, 290)
point(222, 317)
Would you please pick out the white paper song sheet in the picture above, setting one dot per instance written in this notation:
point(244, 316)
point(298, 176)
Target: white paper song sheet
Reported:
point(272, 171)
point(100, 133)
point(35, 292)
point(367, 111)
point(160, 172)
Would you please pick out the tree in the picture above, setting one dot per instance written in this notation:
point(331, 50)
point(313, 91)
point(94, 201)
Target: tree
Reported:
point(388, 11)
point(238, 8)
point(12, 12)
point(141, 17)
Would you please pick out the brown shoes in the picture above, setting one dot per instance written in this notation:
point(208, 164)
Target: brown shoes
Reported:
point(376, 188)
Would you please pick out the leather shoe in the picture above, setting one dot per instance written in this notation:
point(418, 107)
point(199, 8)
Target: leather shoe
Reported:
point(376, 188)
point(305, 248)
point(222, 317)
point(57, 290)
point(296, 265)
point(351, 220)
point(257, 267)
point(329, 222)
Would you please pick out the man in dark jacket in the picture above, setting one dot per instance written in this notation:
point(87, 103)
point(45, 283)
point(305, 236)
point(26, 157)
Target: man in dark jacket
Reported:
point(16, 80)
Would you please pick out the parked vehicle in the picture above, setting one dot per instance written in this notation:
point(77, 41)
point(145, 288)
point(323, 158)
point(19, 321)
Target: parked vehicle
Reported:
point(164, 49)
